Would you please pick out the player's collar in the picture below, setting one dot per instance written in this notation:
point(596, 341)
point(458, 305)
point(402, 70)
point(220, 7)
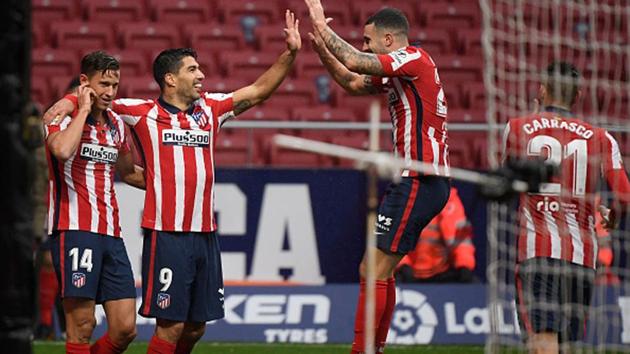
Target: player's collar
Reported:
point(172, 109)
point(554, 109)
point(92, 121)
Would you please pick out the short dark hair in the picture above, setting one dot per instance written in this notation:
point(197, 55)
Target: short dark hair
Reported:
point(170, 61)
point(73, 84)
point(562, 81)
point(98, 61)
point(390, 18)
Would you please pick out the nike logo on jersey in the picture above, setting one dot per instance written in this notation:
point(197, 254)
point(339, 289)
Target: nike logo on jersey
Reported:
point(98, 153)
point(402, 57)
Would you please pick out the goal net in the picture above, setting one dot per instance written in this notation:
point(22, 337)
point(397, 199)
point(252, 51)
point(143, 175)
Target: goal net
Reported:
point(520, 38)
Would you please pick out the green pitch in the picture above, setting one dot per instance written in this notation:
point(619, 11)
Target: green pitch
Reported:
point(241, 348)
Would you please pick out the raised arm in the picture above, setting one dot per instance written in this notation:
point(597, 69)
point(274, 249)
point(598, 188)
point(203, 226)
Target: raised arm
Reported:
point(353, 59)
point(63, 143)
point(269, 81)
point(353, 83)
point(131, 174)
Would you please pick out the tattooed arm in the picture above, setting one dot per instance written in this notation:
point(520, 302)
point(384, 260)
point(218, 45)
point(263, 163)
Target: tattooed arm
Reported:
point(353, 83)
point(349, 56)
point(269, 81)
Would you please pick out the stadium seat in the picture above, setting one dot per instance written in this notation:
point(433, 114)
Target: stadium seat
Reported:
point(142, 87)
point(214, 37)
point(455, 70)
point(356, 140)
point(82, 35)
point(453, 97)
point(473, 95)
point(181, 11)
point(224, 84)
point(48, 62)
point(453, 16)
point(272, 39)
point(246, 65)
point(114, 11)
point(359, 104)
point(308, 65)
point(59, 86)
point(265, 12)
point(466, 115)
point(351, 34)
point(40, 92)
point(362, 9)
point(207, 62)
point(323, 113)
point(45, 11)
point(132, 62)
point(339, 11)
point(434, 41)
point(235, 148)
point(266, 112)
point(148, 35)
point(39, 35)
point(469, 42)
point(293, 93)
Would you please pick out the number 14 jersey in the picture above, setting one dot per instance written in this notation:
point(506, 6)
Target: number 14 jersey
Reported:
point(559, 222)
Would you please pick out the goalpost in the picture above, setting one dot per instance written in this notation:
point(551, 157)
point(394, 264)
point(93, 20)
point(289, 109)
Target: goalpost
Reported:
point(520, 38)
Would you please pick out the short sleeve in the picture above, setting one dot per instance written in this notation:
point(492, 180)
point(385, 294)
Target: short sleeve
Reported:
point(403, 62)
point(222, 105)
point(56, 125)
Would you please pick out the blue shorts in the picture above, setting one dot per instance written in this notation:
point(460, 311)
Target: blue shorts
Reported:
point(553, 296)
point(406, 209)
point(93, 266)
point(182, 278)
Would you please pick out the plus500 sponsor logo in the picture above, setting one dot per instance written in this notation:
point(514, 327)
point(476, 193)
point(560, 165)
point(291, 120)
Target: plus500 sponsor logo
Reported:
point(98, 153)
point(279, 310)
point(185, 137)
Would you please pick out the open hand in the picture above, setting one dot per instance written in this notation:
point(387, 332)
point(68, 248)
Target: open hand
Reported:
point(294, 41)
point(317, 40)
point(316, 11)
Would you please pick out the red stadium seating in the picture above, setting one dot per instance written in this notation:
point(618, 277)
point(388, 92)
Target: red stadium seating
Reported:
point(40, 92)
point(271, 38)
point(351, 34)
point(214, 37)
point(59, 86)
point(324, 113)
point(235, 149)
point(44, 11)
point(466, 115)
point(142, 87)
point(181, 11)
point(48, 62)
point(453, 16)
point(470, 42)
point(148, 35)
point(114, 11)
point(362, 9)
point(473, 95)
point(247, 65)
point(455, 70)
point(266, 112)
point(82, 35)
point(308, 65)
point(224, 84)
point(434, 41)
point(453, 97)
point(39, 35)
point(267, 12)
point(339, 11)
point(292, 93)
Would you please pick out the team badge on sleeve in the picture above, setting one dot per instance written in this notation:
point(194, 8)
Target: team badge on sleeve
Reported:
point(163, 300)
point(402, 57)
point(78, 280)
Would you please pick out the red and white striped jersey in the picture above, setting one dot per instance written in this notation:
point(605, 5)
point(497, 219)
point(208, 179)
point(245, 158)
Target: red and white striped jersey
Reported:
point(178, 152)
point(81, 193)
point(417, 106)
point(559, 222)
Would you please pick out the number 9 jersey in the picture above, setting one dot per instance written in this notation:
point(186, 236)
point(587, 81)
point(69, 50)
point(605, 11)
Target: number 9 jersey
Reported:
point(559, 221)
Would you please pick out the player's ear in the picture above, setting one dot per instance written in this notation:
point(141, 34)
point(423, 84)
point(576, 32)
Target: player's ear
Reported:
point(169, 79)
point(84, 79)
point(389, 39)
point(542, 93)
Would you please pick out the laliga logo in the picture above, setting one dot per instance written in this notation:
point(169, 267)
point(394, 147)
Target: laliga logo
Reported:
point(414, 321)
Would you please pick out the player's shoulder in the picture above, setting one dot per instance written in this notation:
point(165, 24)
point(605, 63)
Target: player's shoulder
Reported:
point(408, 55)
point(139, 103)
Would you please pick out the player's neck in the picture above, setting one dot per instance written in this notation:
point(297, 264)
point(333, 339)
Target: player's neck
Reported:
point(97, 115)
point(175, 101)
point(558, 105)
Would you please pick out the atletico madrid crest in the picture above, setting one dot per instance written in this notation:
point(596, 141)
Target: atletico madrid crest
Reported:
point(78, 280)
point(163, 300)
